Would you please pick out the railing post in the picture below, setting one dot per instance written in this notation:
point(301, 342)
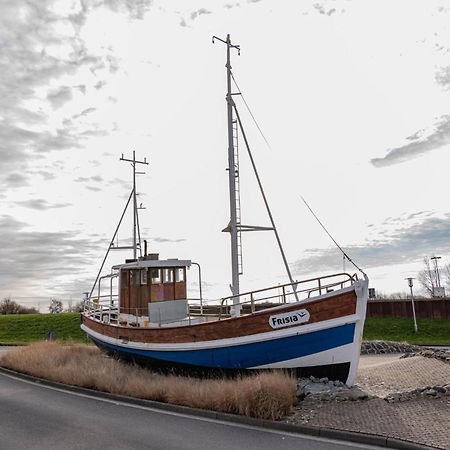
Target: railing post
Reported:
point(320, 287)
point(284, 294)
point(252, 303)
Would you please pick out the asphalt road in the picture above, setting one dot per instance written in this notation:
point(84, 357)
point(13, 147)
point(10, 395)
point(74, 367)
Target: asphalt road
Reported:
point(39, 417)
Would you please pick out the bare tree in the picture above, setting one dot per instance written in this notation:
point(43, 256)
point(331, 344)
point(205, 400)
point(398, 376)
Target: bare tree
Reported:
point(56, 306)
point(427, 277)
point(78, 307)
point(8, 306)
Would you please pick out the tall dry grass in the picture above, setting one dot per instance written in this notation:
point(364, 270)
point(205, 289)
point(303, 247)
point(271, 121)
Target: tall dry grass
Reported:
point(267, 395)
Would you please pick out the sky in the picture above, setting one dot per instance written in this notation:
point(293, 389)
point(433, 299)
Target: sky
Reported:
point(353, 98)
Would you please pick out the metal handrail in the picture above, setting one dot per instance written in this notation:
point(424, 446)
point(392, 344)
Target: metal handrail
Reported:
point(320, 287)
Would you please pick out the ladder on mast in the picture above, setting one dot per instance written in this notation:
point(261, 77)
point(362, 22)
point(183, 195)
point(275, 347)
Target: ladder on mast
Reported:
point(237, 195)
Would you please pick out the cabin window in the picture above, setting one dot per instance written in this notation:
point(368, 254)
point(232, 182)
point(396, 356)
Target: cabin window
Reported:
point(144, 276)
point(134, 277)
point(179, 275)
point(168, 276)
point(156, 276)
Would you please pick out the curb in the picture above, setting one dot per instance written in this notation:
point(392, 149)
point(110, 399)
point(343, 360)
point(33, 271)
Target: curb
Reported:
point(330, 433)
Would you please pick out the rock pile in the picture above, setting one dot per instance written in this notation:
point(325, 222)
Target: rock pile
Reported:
point(428, 391)
point(377, 347)
point(323, 389)
point(443, 355)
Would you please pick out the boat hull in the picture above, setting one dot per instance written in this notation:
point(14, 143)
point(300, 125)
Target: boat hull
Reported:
point(327, 347)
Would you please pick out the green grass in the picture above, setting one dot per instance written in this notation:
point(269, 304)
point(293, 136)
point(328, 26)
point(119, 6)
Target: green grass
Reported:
point(399, 329)
point(25, 328)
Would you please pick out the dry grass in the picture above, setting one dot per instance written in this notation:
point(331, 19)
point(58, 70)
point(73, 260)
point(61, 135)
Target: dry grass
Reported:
point(267, 395)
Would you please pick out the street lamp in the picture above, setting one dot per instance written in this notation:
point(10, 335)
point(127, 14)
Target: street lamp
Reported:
point(410, 284)
point(436, 269)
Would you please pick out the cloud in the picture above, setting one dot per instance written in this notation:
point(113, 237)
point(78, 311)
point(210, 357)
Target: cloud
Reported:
point(94, 178)
point(443, 77)
point(162, 240)
point(404, 244)
point(439, 138)
point(39, 260)
point(322, 9)
point(135, 8)
point(14, 180)
point(57, 97)
point(198, 13)
point(41, 205)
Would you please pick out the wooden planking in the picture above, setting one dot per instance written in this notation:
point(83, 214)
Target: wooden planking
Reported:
point(323, 309)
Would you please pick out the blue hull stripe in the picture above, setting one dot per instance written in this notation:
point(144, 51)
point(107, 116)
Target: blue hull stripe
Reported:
point(250, 355)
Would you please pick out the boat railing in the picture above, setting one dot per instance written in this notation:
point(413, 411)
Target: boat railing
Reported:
point(253, 301)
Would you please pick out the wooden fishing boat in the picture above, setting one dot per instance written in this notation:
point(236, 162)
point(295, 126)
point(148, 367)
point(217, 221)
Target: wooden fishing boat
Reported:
point(141, 311)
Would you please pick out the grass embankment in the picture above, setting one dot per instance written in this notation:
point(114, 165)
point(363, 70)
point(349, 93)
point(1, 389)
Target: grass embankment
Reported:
point(264, 395)
point(25, 328)
point(399, 329)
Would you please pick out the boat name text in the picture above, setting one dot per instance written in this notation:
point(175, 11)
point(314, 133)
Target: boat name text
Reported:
point(290, 318)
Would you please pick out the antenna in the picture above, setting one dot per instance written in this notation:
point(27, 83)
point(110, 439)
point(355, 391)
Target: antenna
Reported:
point(136, 230)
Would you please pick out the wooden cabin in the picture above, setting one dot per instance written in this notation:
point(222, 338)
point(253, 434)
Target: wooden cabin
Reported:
point(153, 289)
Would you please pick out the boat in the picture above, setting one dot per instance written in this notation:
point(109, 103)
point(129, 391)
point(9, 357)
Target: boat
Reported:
point(140, 310)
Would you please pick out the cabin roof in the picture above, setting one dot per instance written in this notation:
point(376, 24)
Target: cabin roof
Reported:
point(154, 263)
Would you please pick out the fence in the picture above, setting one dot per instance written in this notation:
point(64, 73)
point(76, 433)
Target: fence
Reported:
point(425, 308)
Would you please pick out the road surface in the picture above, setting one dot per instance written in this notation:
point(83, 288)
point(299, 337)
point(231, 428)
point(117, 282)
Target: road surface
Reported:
point(36, 417)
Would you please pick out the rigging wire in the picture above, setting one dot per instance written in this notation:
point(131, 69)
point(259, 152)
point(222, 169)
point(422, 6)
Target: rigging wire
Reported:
point(332, 238)
point(250, 112)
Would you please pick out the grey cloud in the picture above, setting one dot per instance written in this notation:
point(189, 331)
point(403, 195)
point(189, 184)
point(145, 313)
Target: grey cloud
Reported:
point(199, 13)
point(443, 77)
point(322, 9)
point(161, 240)
point(404, 244)
point(45, 175)
point(95, 178)
point(40, 204)
point(14, 180)
point(57, 97)
point(93, 188)
point(135, 8)
point(41, 259)
point(439, 138)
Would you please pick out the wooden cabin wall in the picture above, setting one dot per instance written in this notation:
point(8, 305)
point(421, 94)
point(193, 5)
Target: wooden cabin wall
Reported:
point(136, 296)
point(124, 291)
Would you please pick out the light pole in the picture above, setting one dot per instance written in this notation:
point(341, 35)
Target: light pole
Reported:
point(436, 269)
point(410, 284)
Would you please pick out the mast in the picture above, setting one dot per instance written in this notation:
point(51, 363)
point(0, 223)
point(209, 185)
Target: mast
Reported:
point(136, 244)
point(235, 227)
point(233, 180)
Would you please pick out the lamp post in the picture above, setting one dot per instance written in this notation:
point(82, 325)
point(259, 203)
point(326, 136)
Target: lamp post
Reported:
point(410, 284)
point(436, 270)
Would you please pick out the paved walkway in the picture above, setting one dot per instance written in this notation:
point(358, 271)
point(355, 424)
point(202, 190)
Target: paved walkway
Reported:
point(421, 420)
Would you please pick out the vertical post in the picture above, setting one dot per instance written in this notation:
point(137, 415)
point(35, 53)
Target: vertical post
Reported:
point(410, 284)
point(231, 185)
point(134, 206)
point(200, 285)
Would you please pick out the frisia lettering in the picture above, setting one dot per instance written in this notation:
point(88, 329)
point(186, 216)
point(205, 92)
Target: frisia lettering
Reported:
point(290, 318)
